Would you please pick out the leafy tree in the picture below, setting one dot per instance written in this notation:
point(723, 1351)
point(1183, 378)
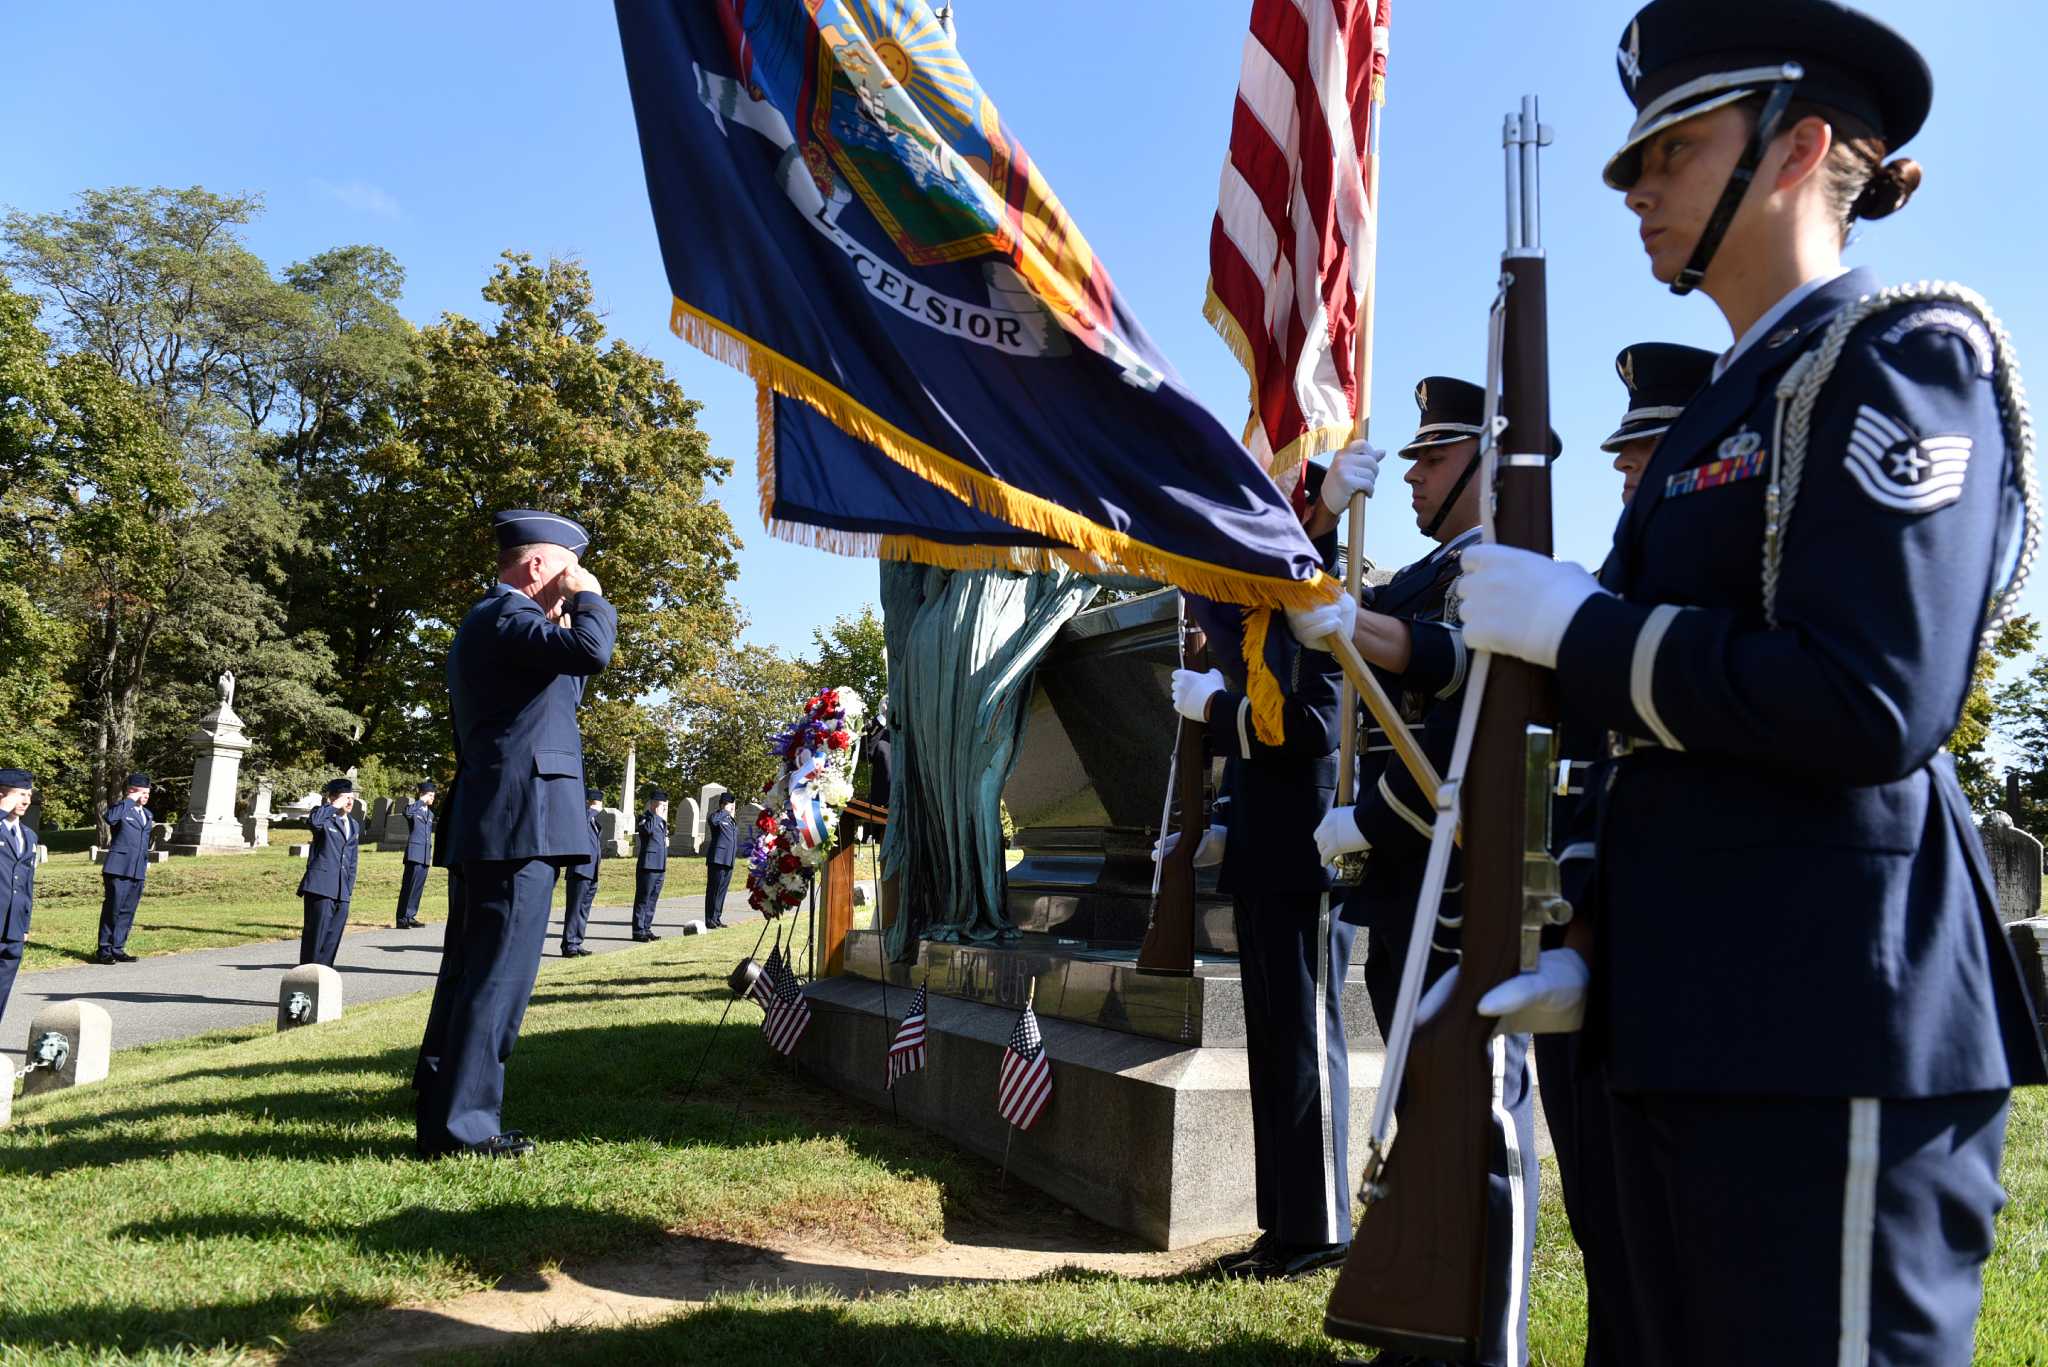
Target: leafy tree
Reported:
point(1980, 714)
point(851, 653)
point(716, 725)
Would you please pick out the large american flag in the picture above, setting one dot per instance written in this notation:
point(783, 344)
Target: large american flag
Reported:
point(906, 1051)
point(1291, 250)
point(1026, 1082)
point(789, 1015)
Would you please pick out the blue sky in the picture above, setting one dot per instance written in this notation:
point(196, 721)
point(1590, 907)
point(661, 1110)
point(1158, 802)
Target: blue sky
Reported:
point(449, 131)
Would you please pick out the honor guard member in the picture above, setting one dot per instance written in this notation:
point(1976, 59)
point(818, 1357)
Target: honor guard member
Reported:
point(124, 869)
point(17, 874)
point(652, 868)
point(515, 818)
point(1411, 637)
point(419, 854)
point(1660, 379)
point(330, 877)
point(581, 883)
point(1292, 951)
point(721, 848)
point(1780, 643)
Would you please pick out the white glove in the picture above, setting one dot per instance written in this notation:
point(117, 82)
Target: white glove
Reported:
point(1313, 626)
point(1192, 692)
point(1208, 853)
point(1516, 602)
point(1550, 1001)
point(1354, 470)
point(1337, 833)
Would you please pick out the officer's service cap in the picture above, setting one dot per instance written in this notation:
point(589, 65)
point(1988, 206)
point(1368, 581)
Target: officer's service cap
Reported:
point(724, 800)
point(1682, 58)
point(16, 778)
point(656, 795)
point(528, 527)
point(426, 786)
point(337, 786)
point(1451, 411)
point(139, 780)
point(1661, 379)
point(593, 794)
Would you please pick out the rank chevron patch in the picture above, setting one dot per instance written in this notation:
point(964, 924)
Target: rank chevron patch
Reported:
point(1901, 471)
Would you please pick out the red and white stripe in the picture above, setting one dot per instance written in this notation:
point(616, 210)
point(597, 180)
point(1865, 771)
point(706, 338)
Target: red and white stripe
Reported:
point(906, 1051)
point(1290, 252)
point(1024, 1088)
point(787, 1020)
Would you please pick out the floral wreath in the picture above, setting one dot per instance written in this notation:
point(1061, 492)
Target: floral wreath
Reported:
point(800, 809)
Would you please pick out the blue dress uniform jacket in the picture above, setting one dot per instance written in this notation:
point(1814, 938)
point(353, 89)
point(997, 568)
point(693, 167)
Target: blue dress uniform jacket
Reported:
point(331, 863)
point(419, 833)
point(722, 844)
point(17, 899)
point(1789, 840)
point(514, 680)
point(652, 846)
point(128, 831)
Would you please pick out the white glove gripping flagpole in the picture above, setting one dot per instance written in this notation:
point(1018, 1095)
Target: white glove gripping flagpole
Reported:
point(1444, 832)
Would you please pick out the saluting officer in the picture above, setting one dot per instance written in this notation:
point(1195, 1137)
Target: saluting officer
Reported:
point(1779, 645)
point(515, 817)
point(1411, 637)
point(1660, 379)
point(17, 874)
point(419, 853)
point(1292, 951)
point(124, 869)
point(652, 868)
point(581, 883)
point(330, 878)
point(721, 848)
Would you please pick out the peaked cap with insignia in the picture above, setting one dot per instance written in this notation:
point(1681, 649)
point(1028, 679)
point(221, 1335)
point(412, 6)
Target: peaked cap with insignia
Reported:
point(16, 778)
point(337, 786)
point(1661, 378)
point(1682, 58)
point(593, 794)
point(527, 527)
point(1451, 411)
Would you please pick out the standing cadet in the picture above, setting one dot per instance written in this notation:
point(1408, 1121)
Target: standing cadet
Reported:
point(1292, 952)
point(1412, 639)
point(515, 675)
point(125, 868)
point(653, 863)
point(17, 874)
point(1779, 645)
point(1660, 379)
point(581, 884)
point(721, 848)
point(330, 878)
point(419, 854)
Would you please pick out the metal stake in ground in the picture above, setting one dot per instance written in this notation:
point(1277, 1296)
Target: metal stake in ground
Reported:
point(712, 1039)
point(888, 1033)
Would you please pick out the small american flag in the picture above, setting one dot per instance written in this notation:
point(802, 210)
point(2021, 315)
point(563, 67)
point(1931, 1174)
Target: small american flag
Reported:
point(906, 1051)
point(1026, 1082)
point(789, 1015)
point(762, 989)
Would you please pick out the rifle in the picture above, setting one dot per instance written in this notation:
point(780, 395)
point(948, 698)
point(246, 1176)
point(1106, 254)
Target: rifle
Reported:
point(1169, 948)
point(1415, 1277)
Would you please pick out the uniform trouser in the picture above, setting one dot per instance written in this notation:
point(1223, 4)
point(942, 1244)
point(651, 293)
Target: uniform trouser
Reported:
point(1576, 1105)
point(411, 881)
point(1292, 953)
point(13, 933)
point(717, 878)
point(577, 899)
point(497, 923)
point(1513, 1179)
point(117, 910)
point(1782, 1230)
point(320, 940)
point(646, 892)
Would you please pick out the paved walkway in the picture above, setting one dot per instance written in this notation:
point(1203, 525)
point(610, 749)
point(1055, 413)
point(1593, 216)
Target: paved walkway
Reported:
point(172, 996)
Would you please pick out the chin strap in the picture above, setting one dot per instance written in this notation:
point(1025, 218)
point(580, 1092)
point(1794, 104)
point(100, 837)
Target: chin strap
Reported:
point(1739, 179)
point(1457, 491)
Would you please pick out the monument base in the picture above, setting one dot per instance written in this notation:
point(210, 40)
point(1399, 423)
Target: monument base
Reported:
point(208, 837)
point(1143, 1134)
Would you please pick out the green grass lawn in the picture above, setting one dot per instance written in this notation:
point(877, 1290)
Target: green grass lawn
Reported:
point(225, 1198)
point(202, 903)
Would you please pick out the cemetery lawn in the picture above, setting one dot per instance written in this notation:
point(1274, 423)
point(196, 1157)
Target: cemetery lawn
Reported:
point(224, 1199)
point(231, 899)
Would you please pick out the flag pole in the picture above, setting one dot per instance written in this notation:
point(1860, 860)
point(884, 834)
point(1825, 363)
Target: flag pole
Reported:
point(1030, 996)
point(888, 1035)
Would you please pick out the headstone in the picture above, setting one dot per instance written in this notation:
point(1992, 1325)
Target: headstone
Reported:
point(629, 796)
point(746, 815)
point(71, 1041)
point(707, 805)
point(380, 812)
point(686, 832)
point(309, 994)
point(617, 833)
point(2015, 867)
point(210, 825)
point(2030, 943)
point(300, 851)
point(693, 927)
point(300, 808)
point(394, 831)
point(256, 825)
point(99, 855)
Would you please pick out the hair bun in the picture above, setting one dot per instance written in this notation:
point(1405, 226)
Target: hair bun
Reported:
point(1888, 189)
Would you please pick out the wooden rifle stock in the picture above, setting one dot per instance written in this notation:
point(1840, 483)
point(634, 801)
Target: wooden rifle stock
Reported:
point(1415, 1279)
point(1169, 947)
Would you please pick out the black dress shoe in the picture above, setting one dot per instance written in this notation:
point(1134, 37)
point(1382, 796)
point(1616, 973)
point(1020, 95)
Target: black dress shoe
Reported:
point(577, 953)
point(512, 1144)
point(122, 956)
point(410, 925)
point(1238, 1265)
point(105, 956)
point(1293, 1262)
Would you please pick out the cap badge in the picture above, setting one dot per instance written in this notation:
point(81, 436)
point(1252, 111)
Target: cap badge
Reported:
point(1631, 57)
point(1628, 370)
point(1422, 396)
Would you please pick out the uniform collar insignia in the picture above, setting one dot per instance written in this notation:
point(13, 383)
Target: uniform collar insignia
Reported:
point(1780, 337)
